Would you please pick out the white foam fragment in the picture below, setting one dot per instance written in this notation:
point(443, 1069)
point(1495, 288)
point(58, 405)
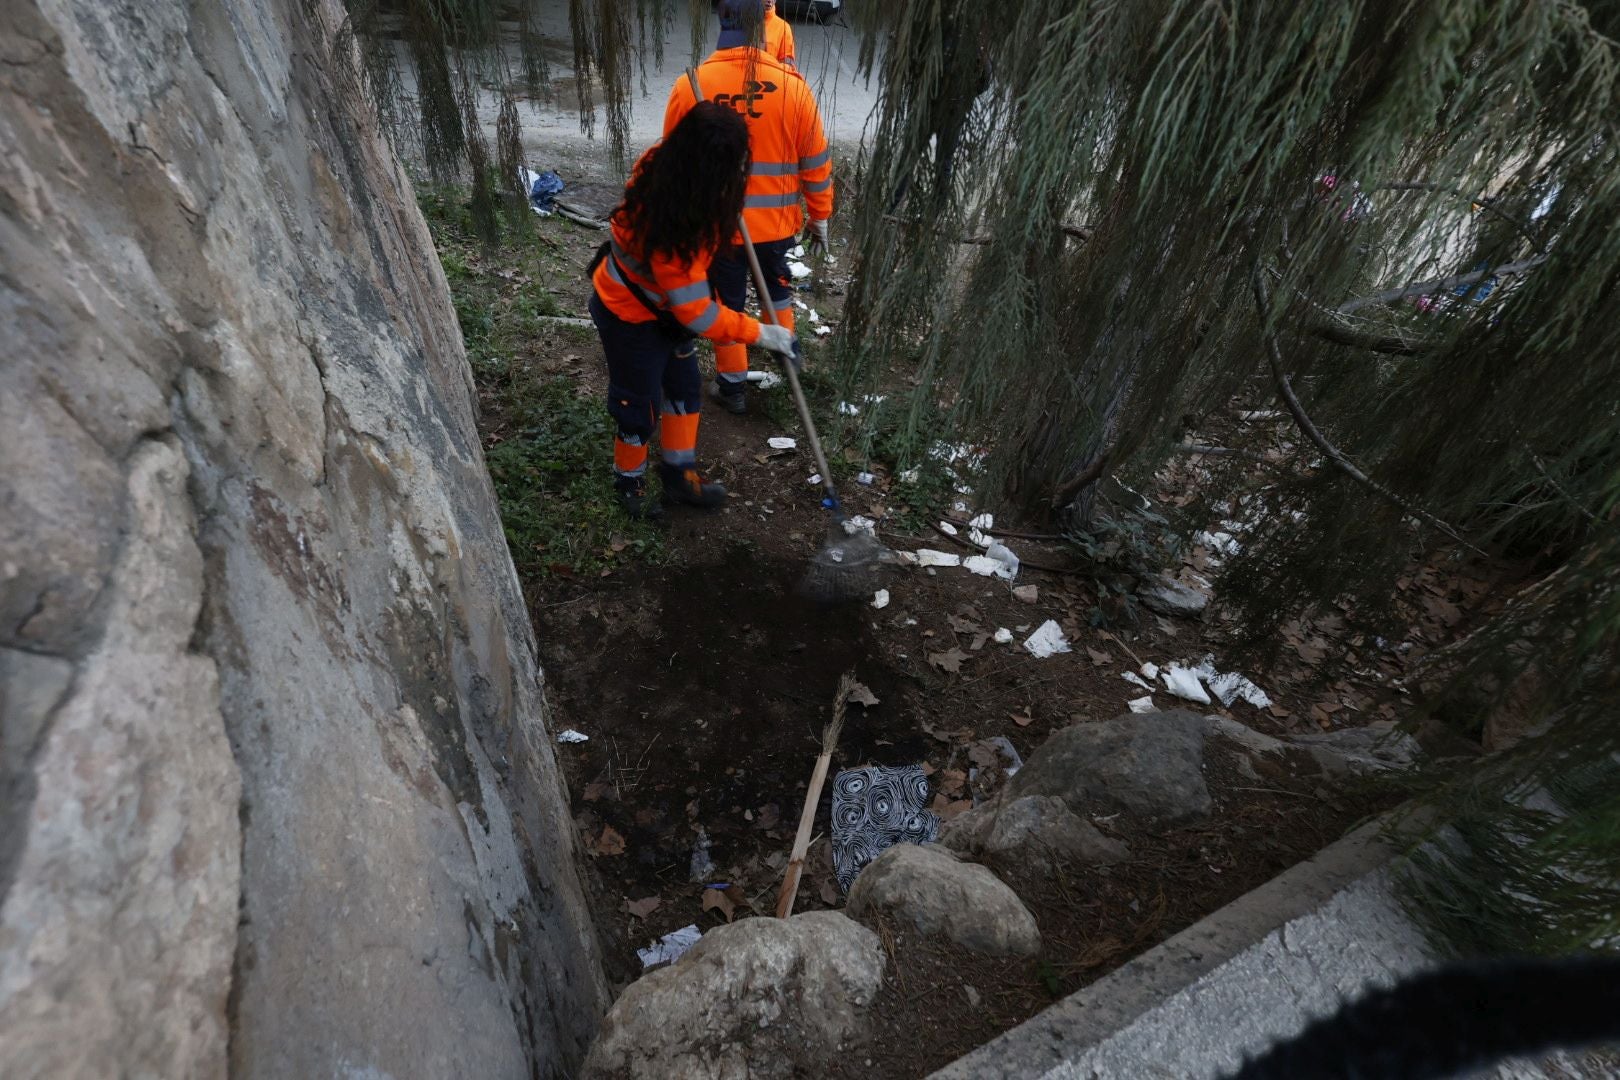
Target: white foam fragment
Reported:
point(782, 442)
point(823, 331)
point(798, 270)
point(1141, 705)
point(866, 479)
point(880, 599)
point(1003, 636)
point(930, 557)
point(1047, 640)
point(1150, 670)
point(669, 948)
point(571, 736)
point(947, 528)
point(1184, 683)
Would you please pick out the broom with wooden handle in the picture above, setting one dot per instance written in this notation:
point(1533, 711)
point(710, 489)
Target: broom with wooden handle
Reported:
point(807, 816)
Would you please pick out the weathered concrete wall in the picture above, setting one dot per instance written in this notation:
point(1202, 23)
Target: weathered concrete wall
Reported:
point(276, 793)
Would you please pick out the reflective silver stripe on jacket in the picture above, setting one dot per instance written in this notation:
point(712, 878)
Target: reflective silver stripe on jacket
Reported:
point(705, 319)
point(765, 202)
point(773, 168)
point(815, 186)
point(687, 293)
point(815, 161)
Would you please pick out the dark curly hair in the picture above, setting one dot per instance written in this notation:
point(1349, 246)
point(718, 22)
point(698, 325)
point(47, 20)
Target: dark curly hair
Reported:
point(687, 191)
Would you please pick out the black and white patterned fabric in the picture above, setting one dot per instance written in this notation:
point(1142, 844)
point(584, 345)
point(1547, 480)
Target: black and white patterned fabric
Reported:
point(875, 808)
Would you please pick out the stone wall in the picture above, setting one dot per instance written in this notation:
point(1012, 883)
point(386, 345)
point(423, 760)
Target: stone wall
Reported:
point(276, 791)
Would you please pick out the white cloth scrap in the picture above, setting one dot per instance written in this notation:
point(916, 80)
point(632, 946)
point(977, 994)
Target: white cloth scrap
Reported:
point(782, 442)
point(670, 947)
point(930, 557)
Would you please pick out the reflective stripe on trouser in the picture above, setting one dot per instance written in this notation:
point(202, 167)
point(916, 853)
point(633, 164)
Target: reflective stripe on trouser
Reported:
point(730, 276)
point(646, 368)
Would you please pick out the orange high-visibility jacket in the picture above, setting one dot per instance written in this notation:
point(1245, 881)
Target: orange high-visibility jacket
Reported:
point(779, 39)
point(681, 289)
point(784, 132)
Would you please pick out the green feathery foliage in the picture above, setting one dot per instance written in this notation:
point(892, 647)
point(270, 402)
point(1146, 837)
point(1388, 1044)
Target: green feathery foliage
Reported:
point(1394, 219)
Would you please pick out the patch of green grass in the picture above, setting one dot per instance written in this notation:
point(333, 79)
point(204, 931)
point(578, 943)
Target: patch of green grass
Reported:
point(548, 448)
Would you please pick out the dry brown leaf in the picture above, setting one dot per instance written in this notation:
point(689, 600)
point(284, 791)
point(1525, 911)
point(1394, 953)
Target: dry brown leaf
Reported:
point(829, 892)
point(962, 626)
point(1442, 610)
point(948, 809)
point(1098, 657)
point(610, 842)
point(950, 661)
point(1022, 719)
point(597, 789)
point(640, 909)
point(984, 755)
point(952, 782)
point(717, 900)
point(860, 694)
point(1281, 712)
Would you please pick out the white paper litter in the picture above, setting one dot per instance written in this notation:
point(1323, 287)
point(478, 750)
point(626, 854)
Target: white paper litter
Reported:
point(1009, 753)
point(1141, 705)
point(847, 409)
point(909, 476)
point(823, 330)
point(1220, 543)
point(998, 562)
point(947, 528)
point(1150, 670)
point(1184, 683)
point(796, 251)
point(815, 478)
point(782, 442)
point(798, 270)
point(1136, 680)
point(1047, 641)
point(801, 305)
point(907, 557)
point(860, 523)
point(1003, 636)
point(572, 736)
point(983, 521)
point(880, 599)
point(670, 947)
point(930, 557)
point(867, 479)
point(1229, 686)
point(765, 380)
point(815, 316)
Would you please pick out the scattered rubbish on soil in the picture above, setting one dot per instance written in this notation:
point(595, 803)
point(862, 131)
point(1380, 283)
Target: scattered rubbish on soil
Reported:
point(930, 557)
point(997, 561)
point(1141, 705)
point(1184, 683)
point(880, 599)
point(569, 735)
point(1027, 594)
point(702, 865)
point(1003, 636)
point(669, 948)
point(782, 442)
point(1046, 641)
point(765, 380)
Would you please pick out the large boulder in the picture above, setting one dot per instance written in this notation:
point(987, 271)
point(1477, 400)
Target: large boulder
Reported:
point(1036, 832)
point(761, 998)
point(277, 797)
point(929, 887)
point(1148, 767)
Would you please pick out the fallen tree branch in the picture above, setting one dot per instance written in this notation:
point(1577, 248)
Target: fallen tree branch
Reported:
point(1421, 288)
point(1285, 390)
point(1073, 486)
point(579, 218)
point(812, 797)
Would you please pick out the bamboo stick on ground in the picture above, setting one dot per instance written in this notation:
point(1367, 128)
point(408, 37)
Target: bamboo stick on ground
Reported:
point(812, 796)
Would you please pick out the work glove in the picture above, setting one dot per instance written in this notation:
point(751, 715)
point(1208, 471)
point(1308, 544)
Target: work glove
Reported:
point(781, 341)
point(815, 239)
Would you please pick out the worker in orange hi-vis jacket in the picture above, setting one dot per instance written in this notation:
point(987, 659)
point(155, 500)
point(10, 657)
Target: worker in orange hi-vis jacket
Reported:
point(779, 36)
point(791, 160)
point(653, 300)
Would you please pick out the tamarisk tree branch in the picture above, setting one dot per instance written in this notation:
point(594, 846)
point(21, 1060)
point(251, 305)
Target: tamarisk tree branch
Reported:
point(1285, 390)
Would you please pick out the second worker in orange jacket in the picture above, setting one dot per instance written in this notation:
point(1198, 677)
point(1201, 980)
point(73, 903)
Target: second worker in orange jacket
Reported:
point(791, 160)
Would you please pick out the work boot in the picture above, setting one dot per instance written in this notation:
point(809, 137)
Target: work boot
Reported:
point(632, 493)
point(683, 485)
point(732, 396)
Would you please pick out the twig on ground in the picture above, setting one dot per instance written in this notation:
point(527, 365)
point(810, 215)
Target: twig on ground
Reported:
point(812, 796)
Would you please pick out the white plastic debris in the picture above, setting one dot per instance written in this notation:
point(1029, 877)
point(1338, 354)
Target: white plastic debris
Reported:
point(572, 736)
point(1220, 543)
point(1009, 754)
point(847, 409)
point(765, 380)
point(815, 316)
point(1136, 680)
point(801, 305)
point(930, 557)
point(947, 528)
point(880, 599)
point(867, 479)
point(1150, 670)
point(796, 251)
point(1003, 636)
point(909, 476)
point(1027, 594)
point(815, 478)
point(1047, 640)
point(669, 948)
point(702, 865)
point(983, 521)
point(1229, 686)
point(782, 442)
point(798, 270)
point(907, 557)
point(997, 562)
point(1184, 683)
point(823, 330)
point(860, 523)
point(1141, 705)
